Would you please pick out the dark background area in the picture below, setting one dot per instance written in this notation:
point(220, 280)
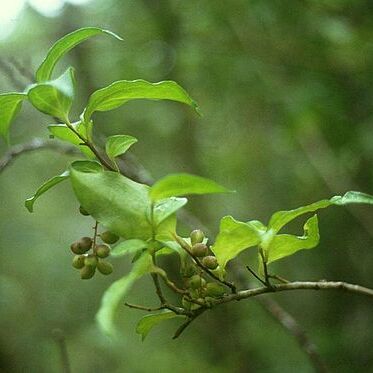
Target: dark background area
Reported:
point(286, 91)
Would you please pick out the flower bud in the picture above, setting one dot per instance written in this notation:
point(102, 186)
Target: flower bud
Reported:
point(90, 261)
point(83, 211)
point(214, 290)
point(105, 267)
point(197, 236)
point(78, 261)
point(109, 237)
point(210, 262)
point(196, 282)
point(102, 251)
point(87, 272)
point(200, 250)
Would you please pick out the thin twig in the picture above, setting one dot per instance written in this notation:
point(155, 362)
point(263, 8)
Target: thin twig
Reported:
point(143, 308)
point(255, 275)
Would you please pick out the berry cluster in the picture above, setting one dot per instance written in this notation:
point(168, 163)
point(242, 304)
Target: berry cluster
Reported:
point(194, 276)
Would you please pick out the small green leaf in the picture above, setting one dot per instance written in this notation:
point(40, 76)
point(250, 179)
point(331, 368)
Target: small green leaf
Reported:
point(10, 105)
point(117, 290)
point(118, 144)
point(181, 184)
point(166, 207)
point(122, 91)
point(29, 203)
point(283, 245)
point(65, 44)
point(128, 247)
point(281, 218)
point(234, 237)
point(54, 97)
point(62, 132)
point(146, 324)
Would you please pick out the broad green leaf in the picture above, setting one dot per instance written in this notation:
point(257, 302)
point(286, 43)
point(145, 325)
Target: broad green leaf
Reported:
point(117, 202)
point(29, 203)
point(166, 207)
point(281, 218)
point(54, 97)
point(283, 245)
point(128, 247)
point(234, 237)
point(118, 144)
point(181, 184)
point(122, 91)
point(62, 132)
point(147, 323)
point(117, 290)
point(65, 44)
point(10, 105)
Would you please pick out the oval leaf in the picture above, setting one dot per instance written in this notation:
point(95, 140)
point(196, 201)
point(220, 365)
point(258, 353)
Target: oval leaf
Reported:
point(128, 247)
point(166, 207)
point(234, 237)
point(118, 144)
point(63, 45)
point(10, 105)
point(29, 203)
point(181, 184)
point(122, 91)
point(117, 290)
point(54, 97)
point(148, 322)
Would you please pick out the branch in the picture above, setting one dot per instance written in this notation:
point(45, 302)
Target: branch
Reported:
point(297, 285)
point(35, 144)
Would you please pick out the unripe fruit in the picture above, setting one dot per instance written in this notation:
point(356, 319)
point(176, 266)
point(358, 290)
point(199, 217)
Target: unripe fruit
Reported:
point(200, 250)
point(105, 267)
point(87, 272)
point(78, 261)
point(189, 270)
point(109, 237)
point(196, 282)
point(76, 249)
point(102, 251)
point(83, 211)
point(214, 290)
point(85, 243)
point(90, 261)
point(197, 236)
point(210, 262)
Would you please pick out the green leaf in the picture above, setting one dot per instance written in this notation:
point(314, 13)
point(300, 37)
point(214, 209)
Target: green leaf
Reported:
point(62, 132)
point(115, 293)
point(283, 245)
point(181, 184)
point(166, 207)
point(128, 247)
point(10, 105)
point(29, 203)
point(65, 44)
point(281, 218)
point(234, 237)
point(117, 202)
point(149, 321)
point(118, 144)
point(54, 97)
point(122, 91)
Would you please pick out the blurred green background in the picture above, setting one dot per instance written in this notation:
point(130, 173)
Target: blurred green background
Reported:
point(286, 91)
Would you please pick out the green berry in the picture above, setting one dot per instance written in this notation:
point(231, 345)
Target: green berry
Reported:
point(76, 248)
point(87, 272)
point(210, 262)
point(197, 236)
point(85, 243)
point(109, 237)
point(105, 267)
point(102, 251)
point(196, 282)
point(78, 261)
point(200, 250)
point(214, 290)
point(90, 261)
point(83, 211)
